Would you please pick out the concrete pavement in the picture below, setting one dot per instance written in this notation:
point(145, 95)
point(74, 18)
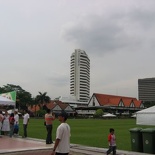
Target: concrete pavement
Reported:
point(30, 146)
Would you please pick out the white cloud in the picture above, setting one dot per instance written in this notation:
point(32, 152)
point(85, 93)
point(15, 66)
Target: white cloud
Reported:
point(37, 39)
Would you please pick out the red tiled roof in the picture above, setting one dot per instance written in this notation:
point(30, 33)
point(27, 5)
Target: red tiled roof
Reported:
point(127, 102)
point(50, 105)
point(62, 105)
point(138, 103)
point(34, 108)
point(114, 100)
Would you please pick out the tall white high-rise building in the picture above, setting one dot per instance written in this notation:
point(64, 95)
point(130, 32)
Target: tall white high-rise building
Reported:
point(80, 75)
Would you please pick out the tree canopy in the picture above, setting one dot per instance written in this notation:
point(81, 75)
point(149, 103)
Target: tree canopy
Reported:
point(42, 99)
point(99, 113)
point(24, 98)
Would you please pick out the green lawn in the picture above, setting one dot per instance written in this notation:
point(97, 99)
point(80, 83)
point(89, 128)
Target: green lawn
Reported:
point(89, 132)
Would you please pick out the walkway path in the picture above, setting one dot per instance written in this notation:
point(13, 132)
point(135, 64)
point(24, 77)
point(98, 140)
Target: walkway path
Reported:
point(30, 146)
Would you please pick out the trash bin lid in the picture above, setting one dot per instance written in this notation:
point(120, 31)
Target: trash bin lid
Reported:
point(148, 130)
point(135, 129)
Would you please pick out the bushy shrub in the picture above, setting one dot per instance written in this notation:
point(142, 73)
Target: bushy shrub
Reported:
point(98, 113)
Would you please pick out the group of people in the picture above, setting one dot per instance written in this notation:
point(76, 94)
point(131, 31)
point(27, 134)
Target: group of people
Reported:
point(9, 124)
point(62, 142)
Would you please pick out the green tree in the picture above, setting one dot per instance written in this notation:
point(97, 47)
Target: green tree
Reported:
point(42, 99)
point(98, 113)
point(23, 98)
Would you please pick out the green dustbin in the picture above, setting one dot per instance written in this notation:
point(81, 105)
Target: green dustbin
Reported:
point(136, 139)
point(148, 135)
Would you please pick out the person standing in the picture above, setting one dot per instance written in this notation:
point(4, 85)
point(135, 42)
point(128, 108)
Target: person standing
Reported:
point(49, 125)
point(62, 142)
point(1, 120)
point(12, 120)
point(26, 118)
point(16, 123)
point(112, 142)
point(6, 123)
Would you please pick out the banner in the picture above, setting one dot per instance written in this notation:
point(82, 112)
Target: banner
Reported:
point(10, 95)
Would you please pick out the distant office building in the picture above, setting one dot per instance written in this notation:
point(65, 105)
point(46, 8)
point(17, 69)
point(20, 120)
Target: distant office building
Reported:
point(146, 89)
point(80, 76)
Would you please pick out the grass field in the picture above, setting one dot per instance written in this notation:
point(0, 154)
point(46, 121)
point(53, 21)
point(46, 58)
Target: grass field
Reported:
point(88, 132)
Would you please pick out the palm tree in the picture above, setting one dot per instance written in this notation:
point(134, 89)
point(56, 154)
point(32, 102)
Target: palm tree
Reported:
point(42, 99)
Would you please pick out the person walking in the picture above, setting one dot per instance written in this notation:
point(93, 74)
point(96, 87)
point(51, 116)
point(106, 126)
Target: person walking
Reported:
point(49, 118)
point(62, 142)
point(26, 118)
point(112, 142)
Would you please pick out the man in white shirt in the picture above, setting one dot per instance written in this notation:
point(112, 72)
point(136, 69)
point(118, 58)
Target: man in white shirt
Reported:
point(26, 118)
point(62, 142)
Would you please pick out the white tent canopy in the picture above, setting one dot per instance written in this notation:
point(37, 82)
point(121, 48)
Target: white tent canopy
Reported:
point(133, 116)
point(108, 115)
point(146, 116)
point(6, 101)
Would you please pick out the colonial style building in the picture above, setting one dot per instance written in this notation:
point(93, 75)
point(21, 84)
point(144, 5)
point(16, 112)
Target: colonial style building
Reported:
point(112, 104)
point(55, 107)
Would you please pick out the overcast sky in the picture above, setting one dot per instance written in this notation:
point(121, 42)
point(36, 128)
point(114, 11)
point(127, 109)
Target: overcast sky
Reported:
point(37, 38)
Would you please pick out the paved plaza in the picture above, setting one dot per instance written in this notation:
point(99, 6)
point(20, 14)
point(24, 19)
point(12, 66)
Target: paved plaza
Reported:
point(30, 146)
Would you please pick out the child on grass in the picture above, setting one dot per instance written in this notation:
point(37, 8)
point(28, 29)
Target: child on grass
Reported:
point(112, 142)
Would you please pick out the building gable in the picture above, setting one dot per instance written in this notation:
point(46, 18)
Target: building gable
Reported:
point(93, 101)
point(57, 108)
point(128, 102)
point(121, 103)
point(69, 109)
point(132, 104)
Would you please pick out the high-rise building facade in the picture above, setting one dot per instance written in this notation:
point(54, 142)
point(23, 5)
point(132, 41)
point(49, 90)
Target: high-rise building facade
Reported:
point(146, 89)
point(80, 75)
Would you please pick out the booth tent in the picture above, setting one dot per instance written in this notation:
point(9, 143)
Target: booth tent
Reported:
point(146, 116)
point(5, 101)
point(108, 115)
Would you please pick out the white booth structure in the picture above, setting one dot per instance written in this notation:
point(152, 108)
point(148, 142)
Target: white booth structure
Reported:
point(6, 102)
point(146, 116)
